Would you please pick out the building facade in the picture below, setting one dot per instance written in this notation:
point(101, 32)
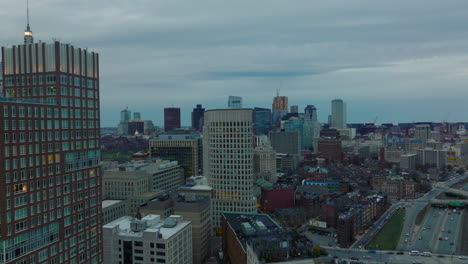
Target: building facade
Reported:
point(338, 116)
point(228, 160)
point(262, 121)
point(234, 102)
point(171, 118)
point(279, 109)
point(197, 118)
point(149, 240)
point(186, 148)
point(50, 155)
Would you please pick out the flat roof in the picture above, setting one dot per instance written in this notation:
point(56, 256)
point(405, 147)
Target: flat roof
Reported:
point(107, 203)
point(123, 224)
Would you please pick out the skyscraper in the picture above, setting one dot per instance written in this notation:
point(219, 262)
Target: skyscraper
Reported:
point(136, 116)
point(125, 115)
point(279, 108)
point(197, 117)
point(262, 120)
point(228, 160)
point(310, 113)
point(338, 113)
point(234, 102)
point(171, 118)
point(294, 109)
point(50, 155)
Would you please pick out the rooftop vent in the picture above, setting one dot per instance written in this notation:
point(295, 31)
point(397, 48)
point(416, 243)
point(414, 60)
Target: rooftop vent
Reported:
point(169, 223)
point(137, 225)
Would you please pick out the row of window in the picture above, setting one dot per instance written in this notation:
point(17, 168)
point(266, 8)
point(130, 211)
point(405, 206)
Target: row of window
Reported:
point(47, 112)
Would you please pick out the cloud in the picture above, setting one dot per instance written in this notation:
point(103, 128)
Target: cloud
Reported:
point(161, 53)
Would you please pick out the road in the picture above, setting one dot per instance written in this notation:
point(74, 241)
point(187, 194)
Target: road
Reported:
point(377, 226)
point(412, 210)
point(392, 257)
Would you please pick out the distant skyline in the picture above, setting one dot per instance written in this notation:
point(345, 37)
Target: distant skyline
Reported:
point(402, 61)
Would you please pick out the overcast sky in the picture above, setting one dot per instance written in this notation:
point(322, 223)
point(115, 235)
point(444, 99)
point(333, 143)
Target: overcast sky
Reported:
point(400, 60)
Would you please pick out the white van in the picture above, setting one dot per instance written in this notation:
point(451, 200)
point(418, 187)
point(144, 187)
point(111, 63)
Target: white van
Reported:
point(427, 254)
point(414, 253)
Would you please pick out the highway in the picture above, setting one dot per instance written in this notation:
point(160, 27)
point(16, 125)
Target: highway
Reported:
point(377, 226)
point(391, 257)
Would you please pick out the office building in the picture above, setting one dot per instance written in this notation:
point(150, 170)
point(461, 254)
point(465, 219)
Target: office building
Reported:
point(294, 109)
point(431, 158)
point(193, 208)
point(262, 121)
point(148, 240)
point(330, 149)
point(50, 154)
point(135, 178)
point(113, 210)
point(338, 114)
point(279, 109)
point(408, 161)
point(265, 162)
point(234, 102)
point(422, 132)
point(286, 142)
point(257, 238)
point(182, 146)
point(228, 160)
point(136, 127)
point(171, 118)
point(310, 113)
point(197, 117)
point(125, 115)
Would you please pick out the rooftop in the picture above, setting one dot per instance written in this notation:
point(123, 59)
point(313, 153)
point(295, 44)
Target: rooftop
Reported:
point(129, 226)
point(107, 203)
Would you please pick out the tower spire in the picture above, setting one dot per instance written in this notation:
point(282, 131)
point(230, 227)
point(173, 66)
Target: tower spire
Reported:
point(28, 35)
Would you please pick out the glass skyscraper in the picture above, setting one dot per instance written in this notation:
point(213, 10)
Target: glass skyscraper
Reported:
point(262, 120)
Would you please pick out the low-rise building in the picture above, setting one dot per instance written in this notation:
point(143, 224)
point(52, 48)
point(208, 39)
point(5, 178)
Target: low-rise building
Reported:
point(193, 208)
point(113, 209)
point(149, 240)
point(396, 187)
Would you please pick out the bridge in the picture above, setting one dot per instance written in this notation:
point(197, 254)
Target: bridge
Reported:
point(437, 202)
point(457, 192)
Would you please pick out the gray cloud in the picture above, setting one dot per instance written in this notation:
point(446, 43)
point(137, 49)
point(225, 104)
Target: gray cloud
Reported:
point(387, 58)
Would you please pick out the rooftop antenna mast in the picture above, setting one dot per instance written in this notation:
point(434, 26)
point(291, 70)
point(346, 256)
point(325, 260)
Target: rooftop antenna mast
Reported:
point(28, 35)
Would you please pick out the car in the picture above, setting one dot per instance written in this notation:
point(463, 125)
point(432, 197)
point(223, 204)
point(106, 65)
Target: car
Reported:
point(449, 231)
point(446, 238)
point(407, 234)
point(367, 257)
point(335, 256)
point(400, 253)
point(461, 257)
point(420, 238)
point(440, 238)
point(440, 256)
point(451, 243)
point(390, 252)
point(354, 258)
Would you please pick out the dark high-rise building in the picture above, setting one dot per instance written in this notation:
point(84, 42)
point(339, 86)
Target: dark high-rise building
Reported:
point(262, 120)
point(171, 118)
point(136, 127)
point(51, 197)
point(310, 113)
point(197, 117)
point(186, 148)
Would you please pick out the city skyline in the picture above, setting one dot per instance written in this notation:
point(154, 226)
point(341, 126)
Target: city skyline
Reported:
point(313, 52)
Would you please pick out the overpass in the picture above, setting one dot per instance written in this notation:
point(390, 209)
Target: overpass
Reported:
point(437, 202)
point(457, 192)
